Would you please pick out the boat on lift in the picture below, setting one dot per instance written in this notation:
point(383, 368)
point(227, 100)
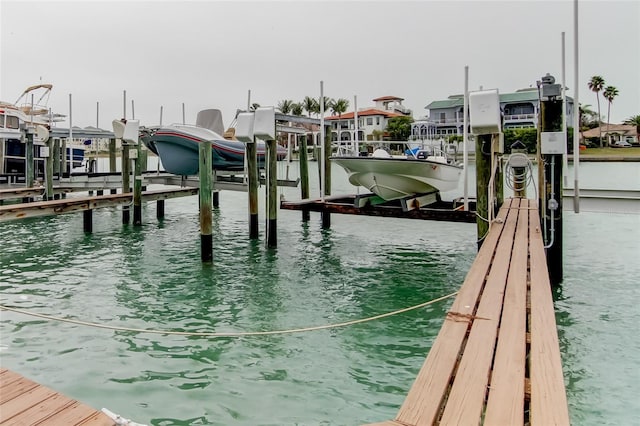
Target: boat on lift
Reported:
point(177, 145)
point(27, 111)
point(419, 172)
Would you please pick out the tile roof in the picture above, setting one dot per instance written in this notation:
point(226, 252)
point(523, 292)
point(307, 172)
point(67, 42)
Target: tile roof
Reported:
point(524, 95)
point(624, 129)
point(364, 113)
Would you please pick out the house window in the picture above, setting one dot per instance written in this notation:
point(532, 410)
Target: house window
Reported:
point(378, 121)
point(12, 122)
point(369, 121)
point(443, 117)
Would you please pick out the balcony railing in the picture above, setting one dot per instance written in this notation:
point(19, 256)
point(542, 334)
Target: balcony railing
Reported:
point(520, 117)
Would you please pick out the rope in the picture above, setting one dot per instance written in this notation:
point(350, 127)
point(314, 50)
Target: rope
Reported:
point(226, 334)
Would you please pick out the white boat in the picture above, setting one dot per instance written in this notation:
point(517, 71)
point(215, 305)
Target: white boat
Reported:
point(392, 178)
point(30, 110)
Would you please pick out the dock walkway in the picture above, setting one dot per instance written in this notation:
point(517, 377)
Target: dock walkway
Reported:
point(496, 359)
point(24, 402)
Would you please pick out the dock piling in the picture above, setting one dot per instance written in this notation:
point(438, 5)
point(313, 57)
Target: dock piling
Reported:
point(483, 174)
point(30, 173)
point(252, 168)
point(326, 163)
point(126, 185)
point(48, 170)
point(304, 175)
point(87, 221)
point(206, 215)
point(553, 145)
point(137, 187)
point(272, 194)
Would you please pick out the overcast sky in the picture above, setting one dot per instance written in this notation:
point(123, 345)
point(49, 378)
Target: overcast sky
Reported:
point(209, 54)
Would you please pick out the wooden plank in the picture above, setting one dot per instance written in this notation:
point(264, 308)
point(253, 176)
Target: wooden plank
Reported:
point(41, 411)
point(73, 414)
point(8, 376)
point(15, 406)
point(98, 419)
point(468, 391)
point(25, 402)
point(423, 401)
point(15, 388)
point(548, 394)
point(505, 405)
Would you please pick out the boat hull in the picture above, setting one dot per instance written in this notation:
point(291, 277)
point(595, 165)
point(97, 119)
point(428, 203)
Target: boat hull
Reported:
point(394, 178)
point(178, 149)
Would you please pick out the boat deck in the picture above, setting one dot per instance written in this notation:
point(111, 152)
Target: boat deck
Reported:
point(24, 402)
point(496, 359)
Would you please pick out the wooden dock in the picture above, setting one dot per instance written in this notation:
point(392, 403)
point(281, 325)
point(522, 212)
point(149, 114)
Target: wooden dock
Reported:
point(76, 204)
point(24, 402)
point(496, 359)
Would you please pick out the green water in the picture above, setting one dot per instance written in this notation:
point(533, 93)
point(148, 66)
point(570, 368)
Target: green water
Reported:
point(151, 277)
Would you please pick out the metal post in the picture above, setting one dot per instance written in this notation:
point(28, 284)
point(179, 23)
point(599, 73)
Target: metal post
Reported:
point(576, 111)
point(465, 139)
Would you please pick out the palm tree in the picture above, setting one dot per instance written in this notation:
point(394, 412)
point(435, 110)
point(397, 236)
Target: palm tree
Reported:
point(296, 108)
point(284, 106)
point(596, 84)
point(609, 94)
point(327, 104)
point(588, 119)
point(339, 106)
point(310, 105)
point(634, 120)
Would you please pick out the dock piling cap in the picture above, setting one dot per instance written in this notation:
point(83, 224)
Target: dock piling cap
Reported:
point(244, 127)
point(264, 125)
point(118, 128)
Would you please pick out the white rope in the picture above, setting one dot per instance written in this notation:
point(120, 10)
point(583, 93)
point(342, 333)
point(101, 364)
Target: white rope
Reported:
point(225, 334)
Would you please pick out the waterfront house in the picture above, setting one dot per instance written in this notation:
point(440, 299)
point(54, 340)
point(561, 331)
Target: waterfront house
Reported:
point(612, 133)
point(372, 121)
point(519, 109)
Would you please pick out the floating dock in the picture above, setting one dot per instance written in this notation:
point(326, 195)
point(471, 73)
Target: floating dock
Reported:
point(24, 402)
point(496, 359)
